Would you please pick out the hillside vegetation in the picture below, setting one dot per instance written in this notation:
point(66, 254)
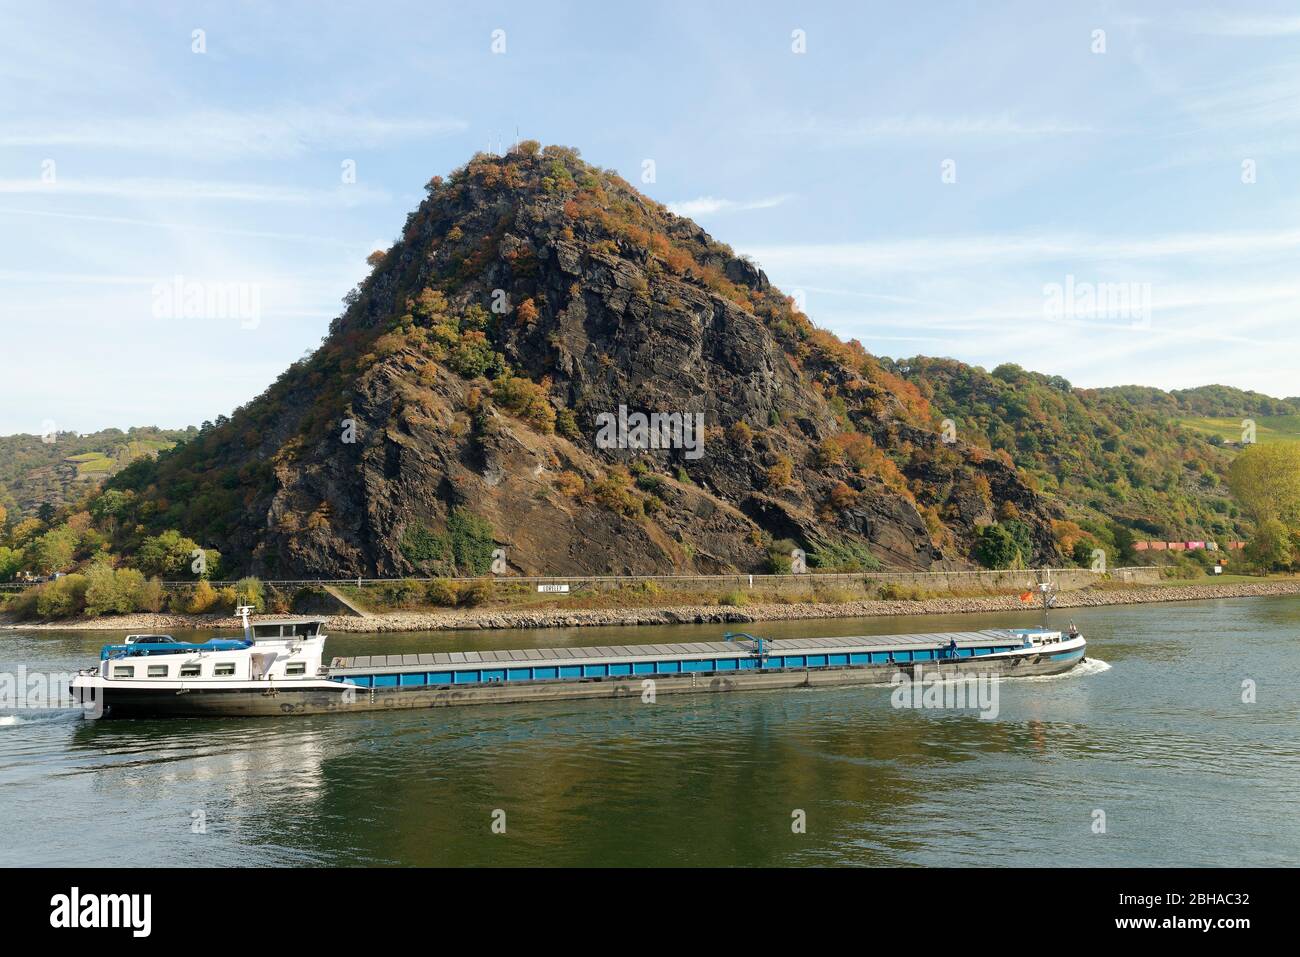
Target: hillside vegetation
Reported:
point(453, 420)
point(1106, 456)
point(58, 469)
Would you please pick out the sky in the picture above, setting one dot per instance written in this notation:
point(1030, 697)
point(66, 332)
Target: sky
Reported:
point(1103, 191)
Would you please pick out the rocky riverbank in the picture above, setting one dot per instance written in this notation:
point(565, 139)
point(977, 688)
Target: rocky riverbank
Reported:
point(488, 618)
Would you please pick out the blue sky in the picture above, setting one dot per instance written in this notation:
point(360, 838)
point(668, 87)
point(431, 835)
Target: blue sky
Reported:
point(923, 176)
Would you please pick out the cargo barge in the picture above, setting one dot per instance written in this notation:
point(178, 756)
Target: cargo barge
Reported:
point(278, 668)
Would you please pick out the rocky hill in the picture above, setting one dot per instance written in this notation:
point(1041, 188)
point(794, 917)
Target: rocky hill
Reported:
point(462, 404)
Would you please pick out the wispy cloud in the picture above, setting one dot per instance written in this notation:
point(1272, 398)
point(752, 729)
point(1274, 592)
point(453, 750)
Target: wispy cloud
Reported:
point(977, 251)
point(184, 227)
point(712, 205)
point(843, 132)
point(228, 134)
point(1218, 300)
point(1268, 99)
point(1233, 25)
point(149, 188)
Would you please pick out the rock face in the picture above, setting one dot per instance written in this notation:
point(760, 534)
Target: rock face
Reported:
point(532, 301)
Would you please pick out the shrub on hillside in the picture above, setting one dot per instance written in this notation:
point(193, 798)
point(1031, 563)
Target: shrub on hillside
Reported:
point(442, 593)
point(250, 591)
point(781, 474)
point(477, 592)
point(62, 598)
point(466, 547)
point(152, 596)
point(740, 434)
point(228, 599)
point(406, 593)
point(202, 598)
point(527, 400)
point(615, 493)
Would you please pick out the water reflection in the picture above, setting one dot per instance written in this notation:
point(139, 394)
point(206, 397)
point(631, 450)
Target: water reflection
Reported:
point(1186, 773)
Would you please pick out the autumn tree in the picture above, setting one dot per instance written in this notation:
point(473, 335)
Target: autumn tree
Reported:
point(740, 434)
point(842, 496)
point(526, 314)
point(781, 474)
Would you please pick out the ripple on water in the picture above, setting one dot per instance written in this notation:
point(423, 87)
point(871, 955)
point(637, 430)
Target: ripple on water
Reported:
point(1154, 732)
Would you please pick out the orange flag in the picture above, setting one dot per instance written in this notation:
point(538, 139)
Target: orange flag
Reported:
point(1027, 596)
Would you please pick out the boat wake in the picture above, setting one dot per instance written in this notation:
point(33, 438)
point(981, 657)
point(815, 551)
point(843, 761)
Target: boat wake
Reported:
point(1090, 666)
point(40, 717)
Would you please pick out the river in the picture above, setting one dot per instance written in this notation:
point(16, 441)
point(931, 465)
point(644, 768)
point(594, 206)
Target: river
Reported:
point(1150, 738)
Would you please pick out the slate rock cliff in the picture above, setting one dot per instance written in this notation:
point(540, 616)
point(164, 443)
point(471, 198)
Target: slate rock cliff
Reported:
point(457, 401)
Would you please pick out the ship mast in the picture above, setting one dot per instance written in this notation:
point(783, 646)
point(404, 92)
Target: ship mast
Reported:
point(1044, 589)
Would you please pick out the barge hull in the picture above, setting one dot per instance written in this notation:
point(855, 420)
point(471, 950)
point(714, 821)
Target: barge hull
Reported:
point(142, 703)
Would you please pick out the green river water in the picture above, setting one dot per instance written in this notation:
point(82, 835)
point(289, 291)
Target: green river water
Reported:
point(1152, 732)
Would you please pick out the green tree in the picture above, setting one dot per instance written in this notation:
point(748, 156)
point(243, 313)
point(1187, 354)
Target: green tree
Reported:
point(1271, 547)
point(1082, 552)
point(420, 546)
point(131, 587)
point(53, 551)
point(1004, 545)
point(994, 547)
point(110, 504)
point(25, 532)
point(466, 548)
point(11, 561)
point(152, 596)
point(1266, 481)
point(101, 587)
point(168, 555)
point(112, 590)
point(1124, 550)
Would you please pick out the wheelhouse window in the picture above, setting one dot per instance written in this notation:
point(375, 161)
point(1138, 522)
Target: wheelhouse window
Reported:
point(157, 671)
point(124, 671)
point(296, 668)
point(190, 671)
point(223, 669)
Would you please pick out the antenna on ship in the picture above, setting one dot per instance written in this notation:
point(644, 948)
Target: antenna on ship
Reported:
point(1045, 589)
